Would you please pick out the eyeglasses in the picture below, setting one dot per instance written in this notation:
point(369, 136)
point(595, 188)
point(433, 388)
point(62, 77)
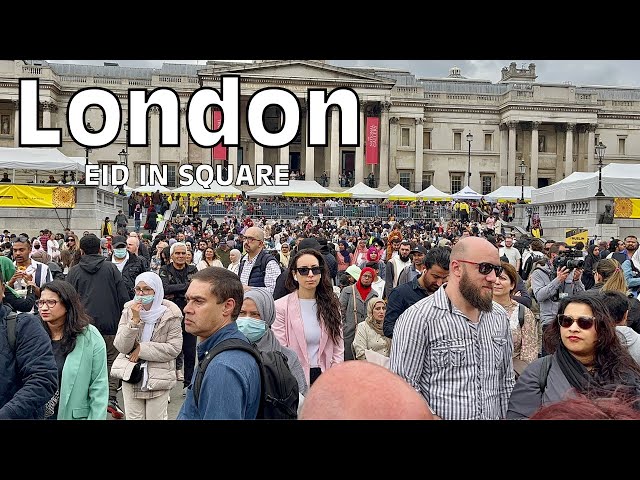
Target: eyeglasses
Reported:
point(49, 303)
point(305, 270)
point(585, 323)
point(144, 291)
point(251, 239)
point(485, 267)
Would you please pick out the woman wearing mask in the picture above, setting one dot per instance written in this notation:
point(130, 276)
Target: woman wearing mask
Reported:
point(308, 320)
point(369, 334)
point(209, 259)
point(257, 315)
point(234, 256)
point(586, 357)
point(80, 353)
point(150, 330)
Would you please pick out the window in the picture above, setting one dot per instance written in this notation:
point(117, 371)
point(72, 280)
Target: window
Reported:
point(456, 182)
point(426, 140)
point(271, 118)
point(171, 175)
point(621, 142)
point(487, 184)
point(488, 142)
point(427, 180)
point(457, 141)
point(404, 137)
point(405, 180)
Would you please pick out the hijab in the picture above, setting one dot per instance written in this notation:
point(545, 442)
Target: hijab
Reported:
point(371, 250)
point(346, 255)
point(364, 291)
point(151, 316)
point(373, 323)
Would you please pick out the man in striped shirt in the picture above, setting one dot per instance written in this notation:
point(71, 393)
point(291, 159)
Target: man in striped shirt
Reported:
point(454, 347)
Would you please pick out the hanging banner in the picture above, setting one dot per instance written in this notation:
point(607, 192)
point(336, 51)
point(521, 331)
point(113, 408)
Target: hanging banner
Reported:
point(626, 208)
point(575, 235)
point(372, 135)
point(37, 197)
point(219, 150)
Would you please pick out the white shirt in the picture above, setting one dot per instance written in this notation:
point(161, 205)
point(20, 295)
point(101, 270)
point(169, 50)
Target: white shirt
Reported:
point(309, 312)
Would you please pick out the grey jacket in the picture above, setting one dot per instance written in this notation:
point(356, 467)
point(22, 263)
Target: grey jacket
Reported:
point(350, 323)
point(546, 288)
point(631, 339)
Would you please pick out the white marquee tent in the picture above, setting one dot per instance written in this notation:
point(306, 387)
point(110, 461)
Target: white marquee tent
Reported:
point(467, 193)
point(618, 180)
point(432, 193)
point(213, 189)
point(361, 190)
point(38, 159)
point(400, 193)
point(309, 188)
point(509, 193)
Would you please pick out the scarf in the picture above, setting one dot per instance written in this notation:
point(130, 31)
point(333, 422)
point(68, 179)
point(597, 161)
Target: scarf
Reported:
point(364, 291)
point(265, 305)
point(346, 254)
point(375, 324)
point(576, 373)
point(8, 270)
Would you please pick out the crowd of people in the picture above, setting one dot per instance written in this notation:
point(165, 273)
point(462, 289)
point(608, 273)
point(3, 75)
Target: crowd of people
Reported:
point(377, 318)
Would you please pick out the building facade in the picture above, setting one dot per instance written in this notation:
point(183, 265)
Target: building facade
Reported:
point(424, 122)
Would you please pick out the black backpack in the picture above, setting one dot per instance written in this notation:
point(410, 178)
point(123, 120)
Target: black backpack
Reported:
point(11, 320)
point(279, 398)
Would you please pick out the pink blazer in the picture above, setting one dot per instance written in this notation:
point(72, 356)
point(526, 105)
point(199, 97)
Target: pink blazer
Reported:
point(289, 330)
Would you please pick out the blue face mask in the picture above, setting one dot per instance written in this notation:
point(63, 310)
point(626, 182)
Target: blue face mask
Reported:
point(145, 299)
point(253, 329)
point(120, 252)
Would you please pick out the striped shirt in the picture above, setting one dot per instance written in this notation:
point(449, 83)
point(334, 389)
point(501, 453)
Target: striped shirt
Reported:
point(464, 370)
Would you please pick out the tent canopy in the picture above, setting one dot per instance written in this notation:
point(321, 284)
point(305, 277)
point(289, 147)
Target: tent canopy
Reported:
point(508, 193)
point(432, 193)
point(361, 190)
point(400, 193)
point(38, 159)
point(296, 188)
point(618, 180)
point(467, 193)
point(213, 189)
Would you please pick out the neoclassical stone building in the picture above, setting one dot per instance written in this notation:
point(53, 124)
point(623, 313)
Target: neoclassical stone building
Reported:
point(424, 122)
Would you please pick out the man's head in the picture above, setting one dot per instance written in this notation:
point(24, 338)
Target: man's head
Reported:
point(417, 255)
point(21, 250)
point(132, 245)
point(178, 253)
point(436, 271)
point(363, 391)
point(253, 240)
point(90, 244)
point(508, 242)
point(631, 243)
point(556, 248)
point(180, 237)
point(473, 270)
point(214, 299)
point(618, 306)
point(404, 250)
point(202, 245)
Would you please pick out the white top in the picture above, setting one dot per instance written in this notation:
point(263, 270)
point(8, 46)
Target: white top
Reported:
point(309, 311)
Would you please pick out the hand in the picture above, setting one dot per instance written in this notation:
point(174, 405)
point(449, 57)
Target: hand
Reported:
point(133, 356)
point(562, 274)
point(517, 294)
point(577, 274)
point(135, 311)
point(16, 276)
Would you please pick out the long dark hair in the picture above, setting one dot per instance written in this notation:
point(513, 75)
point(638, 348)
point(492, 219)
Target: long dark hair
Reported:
point(77, 318)
point(612, 361)
point(329, 315)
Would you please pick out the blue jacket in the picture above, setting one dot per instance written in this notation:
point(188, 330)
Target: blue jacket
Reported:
point(401, 298)
point(230, 388)
point(28, 375)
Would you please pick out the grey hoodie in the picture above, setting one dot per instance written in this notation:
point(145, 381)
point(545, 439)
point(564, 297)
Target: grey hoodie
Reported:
point(630, 339)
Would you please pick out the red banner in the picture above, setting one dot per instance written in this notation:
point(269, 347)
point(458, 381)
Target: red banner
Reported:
point(372, 135)
point(219, 150)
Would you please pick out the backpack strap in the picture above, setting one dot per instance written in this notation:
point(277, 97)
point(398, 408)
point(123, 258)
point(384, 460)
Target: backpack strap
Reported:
point(544, 372)
point(11, 321)
point(521, 314)
point(228, 344)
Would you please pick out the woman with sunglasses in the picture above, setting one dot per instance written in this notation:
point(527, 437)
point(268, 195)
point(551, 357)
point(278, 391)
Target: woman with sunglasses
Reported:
point(308, 320)
point(369, 335)
point(80, 353)
point(586, 357)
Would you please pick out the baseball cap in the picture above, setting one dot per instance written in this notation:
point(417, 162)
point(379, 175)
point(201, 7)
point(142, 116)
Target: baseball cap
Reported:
point(119, 241)
point(419, 249)
point(309, 243)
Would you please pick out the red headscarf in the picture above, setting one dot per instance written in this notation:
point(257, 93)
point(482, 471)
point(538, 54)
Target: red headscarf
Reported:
point(364, 291)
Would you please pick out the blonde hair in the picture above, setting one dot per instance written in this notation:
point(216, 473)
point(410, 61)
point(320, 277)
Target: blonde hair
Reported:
point(611, 272)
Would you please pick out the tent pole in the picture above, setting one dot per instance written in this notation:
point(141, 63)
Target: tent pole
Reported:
point(14, 175)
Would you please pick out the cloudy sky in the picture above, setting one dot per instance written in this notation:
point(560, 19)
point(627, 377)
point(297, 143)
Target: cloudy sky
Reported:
point(578, 72)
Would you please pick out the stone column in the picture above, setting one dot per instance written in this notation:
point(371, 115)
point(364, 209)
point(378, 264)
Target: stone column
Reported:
point(559, 153)
point(284, 155)
point(383, 185)
point(393, 148)
point(533, 179)
point(359, 174)
point(511, 164)
point(47, 108)
point(16, 123)
point(154, 142)
point(233, 158)
point(184, 136)
point(419, 154)
point(258, 154)
point(568, 157)
point(591, 143)
point(504, 150)
point(335, 149)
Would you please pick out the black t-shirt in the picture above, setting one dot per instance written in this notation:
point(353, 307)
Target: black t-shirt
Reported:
point(56, 346)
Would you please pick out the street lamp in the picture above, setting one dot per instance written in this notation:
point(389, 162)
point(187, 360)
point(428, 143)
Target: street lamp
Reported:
point(89, 129)
point(469, 139)
point(523, 169)
point(600, 148)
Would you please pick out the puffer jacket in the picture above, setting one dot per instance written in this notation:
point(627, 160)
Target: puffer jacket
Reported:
point(160, 352)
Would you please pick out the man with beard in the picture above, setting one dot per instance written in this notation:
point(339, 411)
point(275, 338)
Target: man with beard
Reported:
point(414, 269)
point(436, 273)
point(455, 347)
point(395, 266)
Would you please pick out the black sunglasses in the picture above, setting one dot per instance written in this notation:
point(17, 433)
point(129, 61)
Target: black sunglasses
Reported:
point(585, 323)
point(485, 267)
point(23, 239)
point(305, 270)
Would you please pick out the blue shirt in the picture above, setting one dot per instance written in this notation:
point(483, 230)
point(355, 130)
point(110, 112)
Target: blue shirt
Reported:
point(401, 298)
point(230, 388)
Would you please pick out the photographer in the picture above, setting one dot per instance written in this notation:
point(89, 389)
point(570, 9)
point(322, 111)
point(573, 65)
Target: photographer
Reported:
point(556, 279)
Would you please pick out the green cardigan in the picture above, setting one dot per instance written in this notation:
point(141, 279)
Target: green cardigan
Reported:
point(84, 389)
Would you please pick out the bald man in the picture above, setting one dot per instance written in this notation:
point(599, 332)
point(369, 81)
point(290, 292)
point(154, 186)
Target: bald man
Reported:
point(360, 390)
point(455, 347)
point(258, 268)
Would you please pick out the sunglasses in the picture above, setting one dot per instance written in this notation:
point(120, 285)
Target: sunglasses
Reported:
point(23, 239)
point(585, 323)
point(305, 270)
point(485, 267)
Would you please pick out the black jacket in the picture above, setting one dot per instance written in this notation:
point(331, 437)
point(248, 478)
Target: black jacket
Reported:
point(102, 290)
point(134, 267)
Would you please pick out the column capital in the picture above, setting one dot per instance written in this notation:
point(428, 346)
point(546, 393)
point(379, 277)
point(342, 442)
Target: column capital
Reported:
point(155, 110)
point(535, 125)
point(503, 126)
point(363, 105)
point(385, 106)
point(16, 105)
point(569, 127)
point(592, 127)
point(49, 106)
point(512, 124)
point(419, 121)
point(394, 120)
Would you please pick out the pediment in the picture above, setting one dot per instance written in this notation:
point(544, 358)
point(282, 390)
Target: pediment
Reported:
point(304, 70)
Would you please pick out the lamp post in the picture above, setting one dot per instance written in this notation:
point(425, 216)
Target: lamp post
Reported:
point(89, 129)
point(469, 139)
point(600, 148)
point(523, 169)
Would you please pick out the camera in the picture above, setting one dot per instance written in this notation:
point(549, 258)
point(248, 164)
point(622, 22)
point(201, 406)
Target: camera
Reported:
point(570, 259)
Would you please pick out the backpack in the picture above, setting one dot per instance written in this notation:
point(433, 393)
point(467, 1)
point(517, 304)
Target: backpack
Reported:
point(545, 366)
point(11, 320)
point(279, 398)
